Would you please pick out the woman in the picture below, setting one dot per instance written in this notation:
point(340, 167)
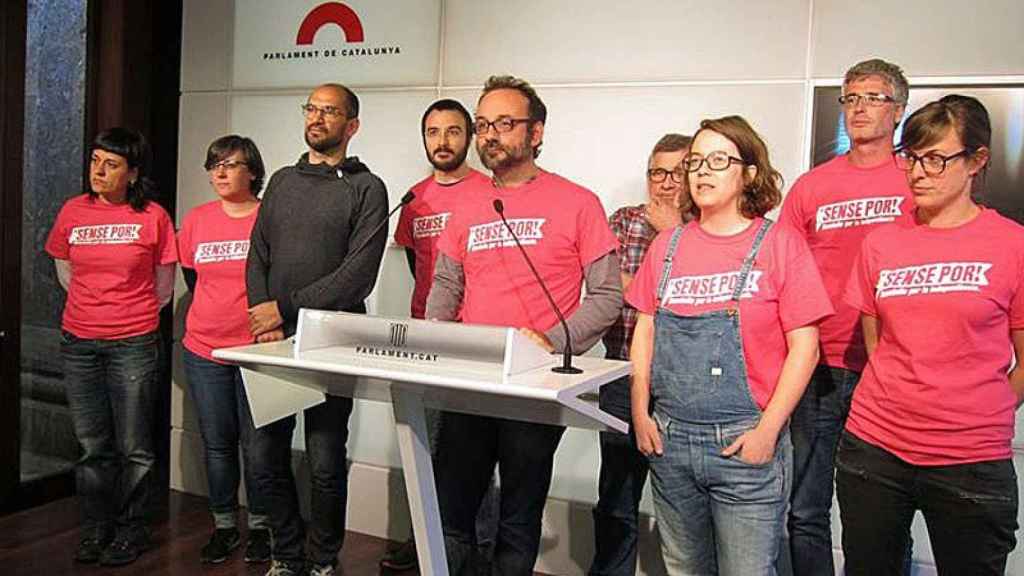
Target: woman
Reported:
point(213, 244)
point(942, 305)
point(114, 252)
point(725, 343)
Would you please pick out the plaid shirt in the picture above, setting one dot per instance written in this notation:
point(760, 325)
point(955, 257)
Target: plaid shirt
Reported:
point(635, 235)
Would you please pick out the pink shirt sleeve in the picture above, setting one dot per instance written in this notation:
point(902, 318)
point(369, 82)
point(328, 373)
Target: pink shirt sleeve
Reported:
point(643, 291)
point(57, 242)
point(166, 247)
point(860, 289)
point(403, 232)
point(595, 238)
point(792, 212)
point(1017, 303)
point(802, 297)
point(185, 242)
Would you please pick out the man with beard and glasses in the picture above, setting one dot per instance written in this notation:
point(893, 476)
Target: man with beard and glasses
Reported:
point(312, 215)
point(482, 278)
point(446, 128)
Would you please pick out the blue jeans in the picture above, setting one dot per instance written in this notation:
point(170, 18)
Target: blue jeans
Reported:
point(970, 511)
point(468, 450)
point(718, 515)
point(815, 426)
point(111, 387)
point(225, 423)
point(326, 427)
point(619, 490)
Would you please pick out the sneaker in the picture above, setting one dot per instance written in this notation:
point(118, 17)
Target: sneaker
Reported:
point(92, 544)
point(222, 543)
point(401, 556)
point(321, 570)
point(279, 568)
point(257, 550)
point(126, 547)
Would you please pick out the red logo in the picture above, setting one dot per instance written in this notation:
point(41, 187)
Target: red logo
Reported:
point(330, 13)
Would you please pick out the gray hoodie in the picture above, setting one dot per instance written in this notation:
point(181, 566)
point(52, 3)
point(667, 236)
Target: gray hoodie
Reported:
point(310, 217)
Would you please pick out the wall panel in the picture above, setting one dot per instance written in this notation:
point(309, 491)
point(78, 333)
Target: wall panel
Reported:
point(925, 37)
point(614, 41)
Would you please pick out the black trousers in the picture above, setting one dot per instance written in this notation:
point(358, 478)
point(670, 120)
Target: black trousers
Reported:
point(468, 450)
point(970, 511)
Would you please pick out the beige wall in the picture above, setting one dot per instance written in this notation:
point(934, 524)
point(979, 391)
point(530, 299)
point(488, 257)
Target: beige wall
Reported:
point(615, 76)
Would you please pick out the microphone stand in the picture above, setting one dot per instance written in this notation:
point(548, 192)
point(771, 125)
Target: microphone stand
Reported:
point(566, 367)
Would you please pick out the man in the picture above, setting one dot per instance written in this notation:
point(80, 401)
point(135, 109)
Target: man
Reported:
point(623, 467)
point(314, 214)
point(446, 128)
point(482, 274)
point(835, 205)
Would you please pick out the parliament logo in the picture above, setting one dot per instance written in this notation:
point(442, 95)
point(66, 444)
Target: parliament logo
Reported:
point(397, 334)
point(328, 15)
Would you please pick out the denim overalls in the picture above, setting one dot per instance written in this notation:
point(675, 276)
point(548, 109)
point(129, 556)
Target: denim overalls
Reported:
point(716, 515)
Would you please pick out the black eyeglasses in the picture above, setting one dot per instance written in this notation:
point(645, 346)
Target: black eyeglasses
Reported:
point(311, 111)
point(229, 165)
point(716, 161)
point(871, 99)
point(932, 163)
point(658, 175)
point(501, 125)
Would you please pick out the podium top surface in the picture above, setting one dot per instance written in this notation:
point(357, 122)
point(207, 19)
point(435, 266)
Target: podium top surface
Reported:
point(539, 383)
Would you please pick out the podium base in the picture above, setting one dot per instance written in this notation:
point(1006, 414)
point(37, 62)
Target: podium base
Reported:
point(566, 370)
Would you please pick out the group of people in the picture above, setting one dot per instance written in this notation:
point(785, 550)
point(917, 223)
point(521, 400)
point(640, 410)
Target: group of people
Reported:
point(863, 341)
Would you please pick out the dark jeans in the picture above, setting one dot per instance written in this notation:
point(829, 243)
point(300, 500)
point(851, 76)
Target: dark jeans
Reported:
point(225, 423)
point(524, 452)
point(970, 511)
point(326, 428)
point(815, 426)
point(110, 388)
point(619, 489)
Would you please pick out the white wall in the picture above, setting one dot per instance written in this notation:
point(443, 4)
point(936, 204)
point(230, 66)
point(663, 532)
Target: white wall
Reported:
point(615, 77)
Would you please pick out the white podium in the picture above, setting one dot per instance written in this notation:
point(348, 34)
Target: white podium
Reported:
point(417, 364)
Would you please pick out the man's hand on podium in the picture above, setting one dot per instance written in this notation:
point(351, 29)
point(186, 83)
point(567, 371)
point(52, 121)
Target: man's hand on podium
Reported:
point(272, 336)
point(538, 339)
point(264, 317)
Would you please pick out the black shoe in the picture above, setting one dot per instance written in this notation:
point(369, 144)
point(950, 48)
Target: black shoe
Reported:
point(257, 550)
point(400, 557)
point(126, 547)
point(222, 543)
point(92, 544)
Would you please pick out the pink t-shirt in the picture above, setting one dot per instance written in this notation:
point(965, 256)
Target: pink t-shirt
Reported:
point(783, 292)
point(421, 223)
point(835, 205)
point(561, 225)
point(935, 390)
point(216, 245)
point(113, 251)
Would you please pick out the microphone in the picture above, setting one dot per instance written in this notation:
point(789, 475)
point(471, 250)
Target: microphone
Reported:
point(409, 197)
point(566, 367)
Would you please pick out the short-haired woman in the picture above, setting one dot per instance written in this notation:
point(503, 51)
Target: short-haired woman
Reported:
point(114, 251)
point(214, 243)
point(941, 295)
